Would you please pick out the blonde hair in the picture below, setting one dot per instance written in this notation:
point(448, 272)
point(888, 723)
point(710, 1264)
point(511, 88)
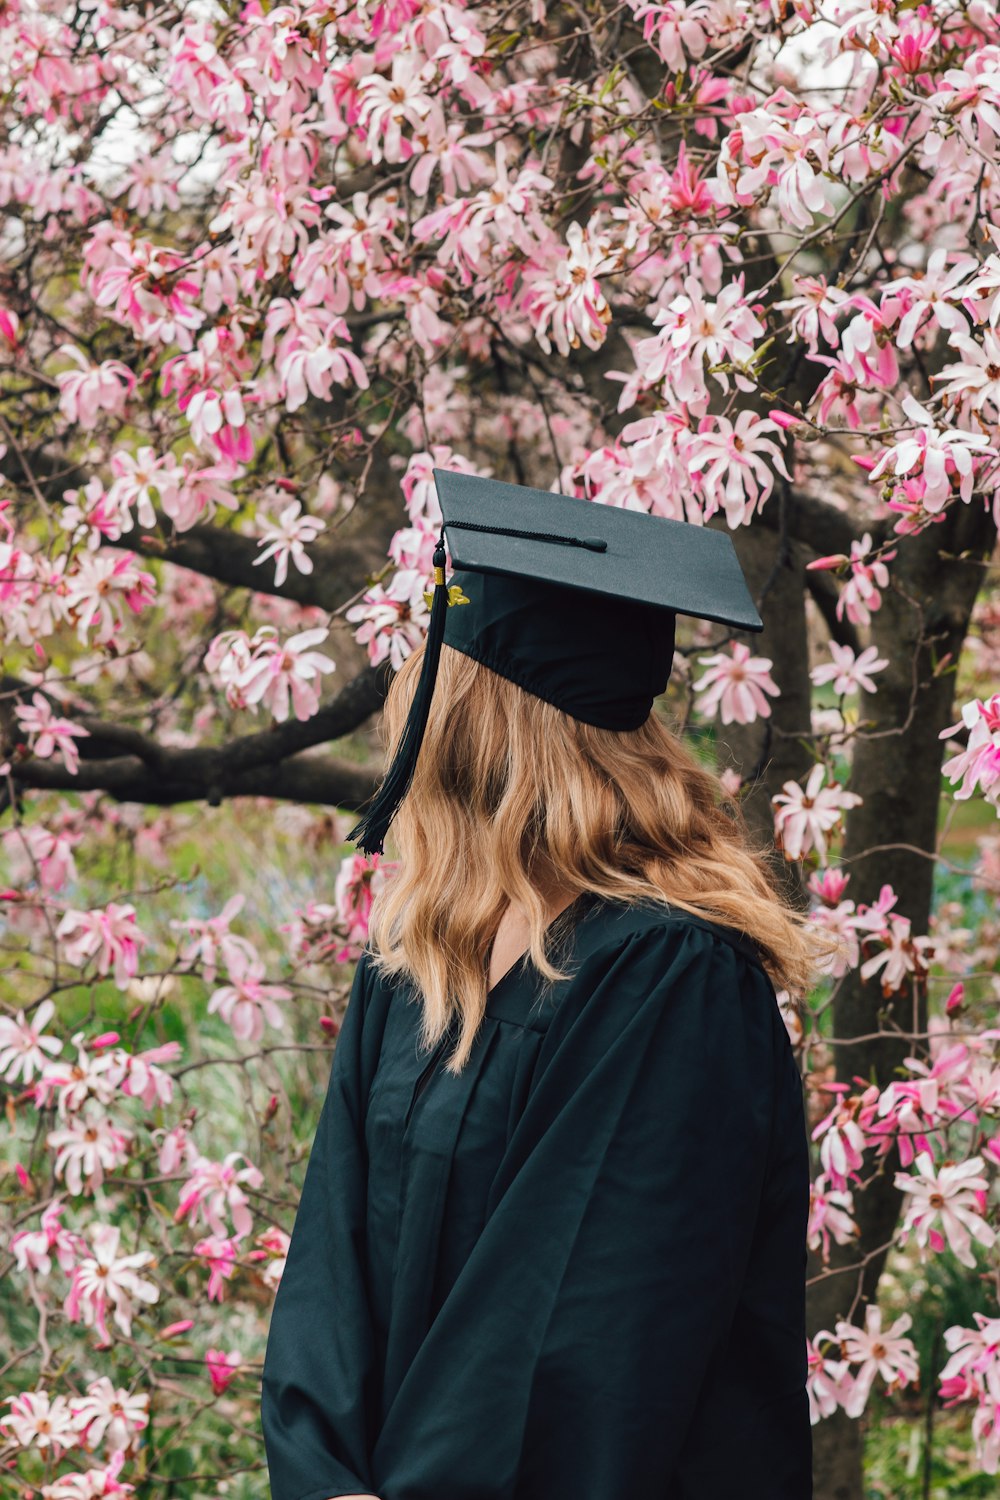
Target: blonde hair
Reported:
point(511, 797)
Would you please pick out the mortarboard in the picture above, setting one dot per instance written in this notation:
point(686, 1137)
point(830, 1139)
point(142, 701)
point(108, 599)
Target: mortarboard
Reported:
point(573, 600)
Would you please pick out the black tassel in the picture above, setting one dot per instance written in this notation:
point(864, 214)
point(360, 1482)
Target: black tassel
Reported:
point(370, 832)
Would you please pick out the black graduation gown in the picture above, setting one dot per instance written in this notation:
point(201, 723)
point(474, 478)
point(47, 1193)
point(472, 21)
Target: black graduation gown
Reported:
point(578, 1269)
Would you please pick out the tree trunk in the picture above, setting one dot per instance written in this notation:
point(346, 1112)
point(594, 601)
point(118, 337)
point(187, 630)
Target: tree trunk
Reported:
point(891, 838)
point(773, 750)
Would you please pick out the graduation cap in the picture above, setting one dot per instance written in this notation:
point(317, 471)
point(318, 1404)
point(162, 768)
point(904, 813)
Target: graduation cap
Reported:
point(573, 600)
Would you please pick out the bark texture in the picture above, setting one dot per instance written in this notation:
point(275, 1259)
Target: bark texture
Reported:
point(891, 838)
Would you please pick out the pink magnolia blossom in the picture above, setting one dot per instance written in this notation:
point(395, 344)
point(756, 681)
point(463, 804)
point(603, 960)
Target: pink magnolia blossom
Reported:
point(310, 347)
point(211, 941)
point(50, 735)
point(678, 32)
point(696, 335)
point(24, 1045)
point(217, 272)
point(973, 1374)
point(986, 1422)
point(564, 299)
point(282, 675)
point(829, 885)
point(138, 282)
point(420, 299)
point(10, 326)
point(973, 1349)
point(90, 390)
point(109, 934)
point(269, 221)
point(829, 1381)
point(831, 1215)
point(281, 51)
point(219, 1256)
point(33, 1249)
point(505, 212)
point(139, 1075)
point(110, 1415)
point(228, 656)
point(848, 672)
point(392, 620)
point(946, 1205)
point(86, 1148)
point(776, 149)
point(292, 145)
point(151, 182)
point(287, 538)
point(929, 299)
point(814, 311)
point(175, 1148)
point(247, 1002)
point(867, 343)
point(860, 595)
point(909, 1110)
point(105, 1282)
point(978, 765)
point(843, 1140)
point(805, 815)
point(194, 491)
point(839, 922)
point(843, 393)
point(213, 1188)
point(419, 489)
point(648, 470)
point(975, 379)
point(359, 880)
point(45, 854)
point(94, 515)
point(412, 549)
point(174, 1330)
point(913, 48)
point(341, 268)
point(213, 391)
point(981, 294)
point(138, 476)
point(389, 104)
point(90, 1076)
point(737, 476)
point(90, 1484)
point(39, 1420)
point(97, 589)
point(452, 152)
point(877, 1351)
point(273, 1252)
point(934, 456)
point(196, 69)
point(899, 957)
point(222, 1368)
point(735, 685)
point(874, 916)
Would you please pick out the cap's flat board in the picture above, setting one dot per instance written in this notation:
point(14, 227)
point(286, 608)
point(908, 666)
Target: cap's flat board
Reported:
point(676, 565)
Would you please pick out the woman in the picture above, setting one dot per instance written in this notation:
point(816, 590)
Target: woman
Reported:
point(551, 1241)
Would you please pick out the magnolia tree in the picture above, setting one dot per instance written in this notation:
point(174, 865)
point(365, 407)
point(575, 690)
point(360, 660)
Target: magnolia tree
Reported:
point(732, 262)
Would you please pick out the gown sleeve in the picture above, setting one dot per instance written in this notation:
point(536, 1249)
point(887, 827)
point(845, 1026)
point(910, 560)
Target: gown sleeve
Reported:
point(568, 1356)
point(317, 1388)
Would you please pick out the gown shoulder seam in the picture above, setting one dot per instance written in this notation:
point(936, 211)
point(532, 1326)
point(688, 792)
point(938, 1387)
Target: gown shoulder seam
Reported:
point(649, 919)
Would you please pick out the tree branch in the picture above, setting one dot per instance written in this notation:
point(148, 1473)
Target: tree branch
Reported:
point(268, 763)
point(339, 568)
point(303, 778)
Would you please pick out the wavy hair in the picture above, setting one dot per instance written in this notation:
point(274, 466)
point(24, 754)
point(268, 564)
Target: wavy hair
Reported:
point(511, 797)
